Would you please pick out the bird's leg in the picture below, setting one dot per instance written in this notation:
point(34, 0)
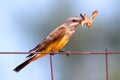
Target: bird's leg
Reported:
point(66, 52)
point(53, 53)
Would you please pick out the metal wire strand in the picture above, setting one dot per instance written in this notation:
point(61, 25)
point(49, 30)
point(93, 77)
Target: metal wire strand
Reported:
point(106, 53)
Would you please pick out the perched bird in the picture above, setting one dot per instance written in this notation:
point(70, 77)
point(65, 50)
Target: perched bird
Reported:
point(54, 42)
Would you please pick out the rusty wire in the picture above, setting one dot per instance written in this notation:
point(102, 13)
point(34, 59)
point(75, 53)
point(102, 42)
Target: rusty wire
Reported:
point(64, 53)
point(51, 68)
point(106, 61)
point(106, 53)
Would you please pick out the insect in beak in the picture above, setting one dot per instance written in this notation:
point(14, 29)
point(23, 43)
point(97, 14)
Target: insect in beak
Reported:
point(86, 21)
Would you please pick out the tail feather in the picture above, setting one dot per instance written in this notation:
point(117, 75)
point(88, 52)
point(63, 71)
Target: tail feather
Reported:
point(33, 58)
point(22, 65)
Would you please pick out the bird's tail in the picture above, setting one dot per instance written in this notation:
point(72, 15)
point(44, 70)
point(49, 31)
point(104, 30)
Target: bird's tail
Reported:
point(25, 63)
point(22, 65)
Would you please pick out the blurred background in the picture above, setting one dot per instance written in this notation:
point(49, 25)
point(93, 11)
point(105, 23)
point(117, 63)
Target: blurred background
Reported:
point(24, 23)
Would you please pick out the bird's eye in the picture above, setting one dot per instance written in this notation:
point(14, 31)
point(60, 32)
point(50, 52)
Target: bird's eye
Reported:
point(73, 20)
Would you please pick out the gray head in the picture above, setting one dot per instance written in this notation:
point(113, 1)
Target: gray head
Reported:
point(73, 22)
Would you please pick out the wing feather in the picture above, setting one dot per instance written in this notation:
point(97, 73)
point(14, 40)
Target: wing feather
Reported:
point(51, 38)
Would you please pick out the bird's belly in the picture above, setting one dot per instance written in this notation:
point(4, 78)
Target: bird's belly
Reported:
point(57, 45)
point(60, 44)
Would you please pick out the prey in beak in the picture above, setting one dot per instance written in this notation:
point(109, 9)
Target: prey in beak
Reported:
point(86, 21)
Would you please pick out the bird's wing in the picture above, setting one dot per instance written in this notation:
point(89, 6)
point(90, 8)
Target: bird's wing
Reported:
point(51, 38)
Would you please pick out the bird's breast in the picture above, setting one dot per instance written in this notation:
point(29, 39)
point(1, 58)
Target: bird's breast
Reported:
point(60, 44)
point(69, 33)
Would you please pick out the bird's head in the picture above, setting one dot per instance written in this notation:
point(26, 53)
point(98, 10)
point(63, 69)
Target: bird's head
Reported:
point(73, 22)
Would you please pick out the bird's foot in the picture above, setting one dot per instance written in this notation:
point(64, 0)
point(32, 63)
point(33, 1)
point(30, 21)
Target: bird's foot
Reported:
point(52, 53)
point(66, 52)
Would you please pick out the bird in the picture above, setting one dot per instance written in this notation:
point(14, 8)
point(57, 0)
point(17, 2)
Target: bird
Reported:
point(55, 40)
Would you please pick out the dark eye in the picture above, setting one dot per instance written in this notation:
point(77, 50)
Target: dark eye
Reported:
point(74, 20)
